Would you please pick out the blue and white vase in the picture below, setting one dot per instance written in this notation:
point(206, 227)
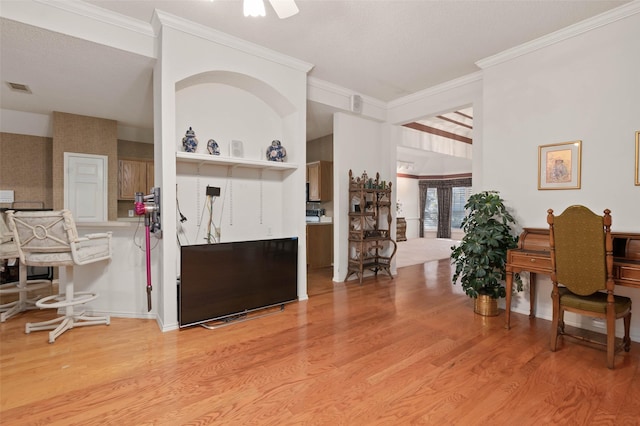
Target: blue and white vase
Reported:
point(276, 152)
point(189, 142)
point(212, 147)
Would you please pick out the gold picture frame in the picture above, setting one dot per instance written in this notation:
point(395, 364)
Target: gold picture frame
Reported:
point(559, 165)
point(638, 158)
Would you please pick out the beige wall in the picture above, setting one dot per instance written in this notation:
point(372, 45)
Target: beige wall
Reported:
point(135, 150)
point(320, 149)
point(26, 168)
point(87, 135)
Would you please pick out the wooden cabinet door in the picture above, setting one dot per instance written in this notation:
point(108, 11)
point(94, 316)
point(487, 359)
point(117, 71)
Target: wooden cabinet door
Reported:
point(313, 174)
point(132, 178)
point(326, 180)
point(319, 246)
point(320, 178)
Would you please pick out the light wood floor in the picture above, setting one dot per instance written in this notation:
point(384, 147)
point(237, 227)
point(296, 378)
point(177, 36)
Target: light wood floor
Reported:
point(389, 352)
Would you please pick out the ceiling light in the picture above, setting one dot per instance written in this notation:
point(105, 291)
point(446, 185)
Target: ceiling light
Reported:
point(254, 8)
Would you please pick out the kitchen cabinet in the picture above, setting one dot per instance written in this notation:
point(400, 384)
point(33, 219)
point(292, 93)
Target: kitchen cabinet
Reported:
point(134, 176)
point(319, 245)
point(320, 179)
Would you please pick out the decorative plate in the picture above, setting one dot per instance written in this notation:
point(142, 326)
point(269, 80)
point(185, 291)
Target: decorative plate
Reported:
point(212, 147)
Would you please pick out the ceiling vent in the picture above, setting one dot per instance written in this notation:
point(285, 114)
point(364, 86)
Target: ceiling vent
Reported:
point(17, 87)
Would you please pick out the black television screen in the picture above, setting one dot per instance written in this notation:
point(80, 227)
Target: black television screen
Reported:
point(226, 279)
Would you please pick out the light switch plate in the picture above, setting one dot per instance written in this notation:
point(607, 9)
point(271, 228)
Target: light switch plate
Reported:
point(6, 196)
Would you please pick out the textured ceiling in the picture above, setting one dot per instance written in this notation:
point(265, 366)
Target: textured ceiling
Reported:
point(383, 49)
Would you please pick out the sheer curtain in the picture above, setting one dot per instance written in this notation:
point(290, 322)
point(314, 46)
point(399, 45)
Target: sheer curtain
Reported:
point(444, 191)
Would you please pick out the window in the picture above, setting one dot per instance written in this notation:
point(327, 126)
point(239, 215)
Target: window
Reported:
point(459, 198)
point(431, 209)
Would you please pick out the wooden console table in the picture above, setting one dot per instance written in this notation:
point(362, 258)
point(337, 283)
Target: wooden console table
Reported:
point(401, 229)
point(533, 256)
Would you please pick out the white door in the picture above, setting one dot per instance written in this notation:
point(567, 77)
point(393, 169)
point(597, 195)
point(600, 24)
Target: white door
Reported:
point(85, 186)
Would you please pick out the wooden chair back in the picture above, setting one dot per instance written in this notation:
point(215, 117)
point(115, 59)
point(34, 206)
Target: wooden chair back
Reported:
point(581, 249)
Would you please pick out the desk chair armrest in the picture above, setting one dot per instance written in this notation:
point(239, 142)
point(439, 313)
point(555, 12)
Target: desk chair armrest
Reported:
point(91, 248)
point(98, 235)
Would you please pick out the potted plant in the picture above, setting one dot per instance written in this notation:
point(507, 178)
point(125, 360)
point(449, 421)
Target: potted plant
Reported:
point(481, 256)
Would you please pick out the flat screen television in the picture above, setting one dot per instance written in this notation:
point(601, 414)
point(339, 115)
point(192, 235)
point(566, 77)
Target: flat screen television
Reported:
point(218, 281)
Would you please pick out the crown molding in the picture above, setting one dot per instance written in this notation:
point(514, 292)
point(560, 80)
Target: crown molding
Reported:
point(328, 87)
point(99, 14)
point(576, 29)
point(161, 19)
point(444, 87)
point(335, 89)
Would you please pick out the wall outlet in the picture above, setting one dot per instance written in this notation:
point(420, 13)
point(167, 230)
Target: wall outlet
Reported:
point(6, 196)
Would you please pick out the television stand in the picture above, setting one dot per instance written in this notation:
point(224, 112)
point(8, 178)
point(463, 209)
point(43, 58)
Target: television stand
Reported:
point(241, 317)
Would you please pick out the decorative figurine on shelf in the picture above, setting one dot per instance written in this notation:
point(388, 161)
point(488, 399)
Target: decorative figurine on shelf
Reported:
point(276, 152)
point(213, 148)
point(189, 142)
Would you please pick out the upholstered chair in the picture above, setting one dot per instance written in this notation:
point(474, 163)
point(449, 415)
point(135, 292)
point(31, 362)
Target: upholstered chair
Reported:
point(582, 275)
point(50, 238)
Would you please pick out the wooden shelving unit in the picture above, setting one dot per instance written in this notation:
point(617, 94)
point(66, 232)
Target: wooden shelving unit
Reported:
point(370, 244)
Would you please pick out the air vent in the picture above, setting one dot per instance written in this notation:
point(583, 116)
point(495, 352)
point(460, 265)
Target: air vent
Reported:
point(23, 88)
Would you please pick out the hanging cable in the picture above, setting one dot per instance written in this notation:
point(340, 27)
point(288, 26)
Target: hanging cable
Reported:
point(204, 206)
point(182, 217)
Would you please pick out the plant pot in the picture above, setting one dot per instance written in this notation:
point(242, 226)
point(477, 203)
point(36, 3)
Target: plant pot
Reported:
point(485, 305)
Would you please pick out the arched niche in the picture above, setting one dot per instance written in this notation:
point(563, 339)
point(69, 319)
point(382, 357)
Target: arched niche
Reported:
point(229, 106)
point(257, 87)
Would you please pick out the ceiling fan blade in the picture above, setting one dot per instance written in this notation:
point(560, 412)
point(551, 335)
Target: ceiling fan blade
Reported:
point(284, 8)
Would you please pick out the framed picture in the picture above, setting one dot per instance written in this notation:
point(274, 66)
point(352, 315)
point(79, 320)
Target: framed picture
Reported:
point(638, 157)
point(559, 165)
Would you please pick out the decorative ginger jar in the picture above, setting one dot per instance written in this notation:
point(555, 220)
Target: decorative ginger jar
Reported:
point(276, 152)
point(189, 141)
point(212, 147)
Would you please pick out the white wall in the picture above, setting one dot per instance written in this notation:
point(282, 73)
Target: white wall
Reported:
point(121, 281)
point(583, 88)
point(225, 113)
point(408, 195)
point(359, 145)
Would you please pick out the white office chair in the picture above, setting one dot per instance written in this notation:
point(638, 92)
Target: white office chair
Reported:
point(21, 288)
point(50, 238)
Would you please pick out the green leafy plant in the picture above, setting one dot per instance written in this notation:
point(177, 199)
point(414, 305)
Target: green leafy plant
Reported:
point(481, 256)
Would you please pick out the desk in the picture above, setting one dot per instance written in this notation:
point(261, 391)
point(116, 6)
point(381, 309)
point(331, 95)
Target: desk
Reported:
point(533, 255)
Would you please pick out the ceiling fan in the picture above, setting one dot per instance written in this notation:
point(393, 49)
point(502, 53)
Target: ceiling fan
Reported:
point(284, 8)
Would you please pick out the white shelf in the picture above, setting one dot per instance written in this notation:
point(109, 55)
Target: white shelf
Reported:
point(188, 157)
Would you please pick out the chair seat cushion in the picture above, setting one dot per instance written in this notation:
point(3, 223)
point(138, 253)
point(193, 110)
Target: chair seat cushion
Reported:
point(596, 302)
point(48, 259)
point(85, 254)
